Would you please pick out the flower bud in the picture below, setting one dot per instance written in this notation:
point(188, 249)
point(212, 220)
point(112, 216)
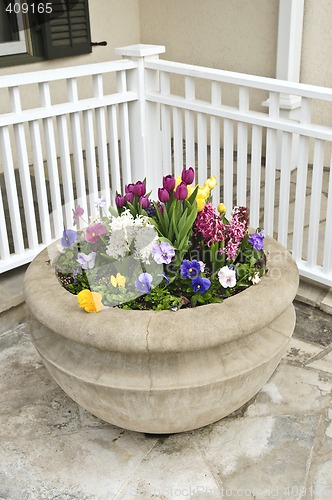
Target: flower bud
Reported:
point(221, 208)
point(139, 189)
point(144, 201)
point(120, 201)
point(188, 175)
point(169, 183)
point(129, 188)
point(129, 197)
point(181, 191)
point(163, 195)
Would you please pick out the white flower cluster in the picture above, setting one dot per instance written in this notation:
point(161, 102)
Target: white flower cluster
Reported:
point(131, 236)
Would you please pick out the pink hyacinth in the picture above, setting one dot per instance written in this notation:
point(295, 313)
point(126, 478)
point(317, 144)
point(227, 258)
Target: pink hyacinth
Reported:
point(208, 224)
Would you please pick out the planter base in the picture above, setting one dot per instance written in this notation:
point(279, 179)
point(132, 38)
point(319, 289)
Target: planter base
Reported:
point(164, 372)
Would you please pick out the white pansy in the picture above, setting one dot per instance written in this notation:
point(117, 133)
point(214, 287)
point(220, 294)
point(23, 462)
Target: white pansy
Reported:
point(255, 279)
point(227, 277)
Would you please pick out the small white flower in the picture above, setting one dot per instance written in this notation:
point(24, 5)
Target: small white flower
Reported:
point(255, 279)
point(227, 277)
point(201, 265)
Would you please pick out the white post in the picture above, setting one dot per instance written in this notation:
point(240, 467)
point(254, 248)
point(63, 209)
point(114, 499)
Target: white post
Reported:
point(290, 29)
point(144, 117)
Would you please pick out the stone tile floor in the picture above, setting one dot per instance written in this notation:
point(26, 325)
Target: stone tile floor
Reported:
point(279, 445)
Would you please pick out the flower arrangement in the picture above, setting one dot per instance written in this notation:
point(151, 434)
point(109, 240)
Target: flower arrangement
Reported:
point(176, 252)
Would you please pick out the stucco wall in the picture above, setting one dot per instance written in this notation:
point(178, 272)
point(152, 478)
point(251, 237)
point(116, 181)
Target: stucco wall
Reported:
point(236, 35)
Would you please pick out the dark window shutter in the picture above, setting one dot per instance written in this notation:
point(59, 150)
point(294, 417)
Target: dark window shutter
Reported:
point(66, 31)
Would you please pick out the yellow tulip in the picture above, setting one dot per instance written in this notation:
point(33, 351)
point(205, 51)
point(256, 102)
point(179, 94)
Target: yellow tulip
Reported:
point(211, 182)
point(203, 191)
point(90, 301)
point(221, 208)
point(118, 280)
point(200, 200)
point(190, 191)
point(178, 181)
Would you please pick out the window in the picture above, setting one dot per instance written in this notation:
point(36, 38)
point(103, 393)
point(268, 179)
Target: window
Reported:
point(33, 30)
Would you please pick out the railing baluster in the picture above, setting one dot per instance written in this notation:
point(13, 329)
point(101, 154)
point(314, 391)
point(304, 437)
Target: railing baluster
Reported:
point(228, 165)
point(166, 126)
point(101, 140)
point(4, 245)
point(90, 157)
point(24, 171)
point(39, 173)
point(242, 149)
point(77, 147)
point(315, 203)
point(271, 157)
point(189, 117)
point(255, 176)
point(286, 157)
point(11, 190)
point(301, 183)
point(202, 147)
point(114, 151)
point(327, 256)
point(67, 180)
point(215, 140)
point(177, 141)
point(52, 164)
point(124, 133)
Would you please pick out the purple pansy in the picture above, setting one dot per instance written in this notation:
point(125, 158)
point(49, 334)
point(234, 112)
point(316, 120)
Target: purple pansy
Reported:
point(200, 284)
point(257, 240)
point(143, 283)
point(87, 261)
point(190, 269)
point(163, 253)
point(77, 213)
point(69, 236)
point(94, 232)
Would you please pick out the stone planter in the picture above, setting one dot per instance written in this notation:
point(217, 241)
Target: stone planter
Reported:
point(164, 372)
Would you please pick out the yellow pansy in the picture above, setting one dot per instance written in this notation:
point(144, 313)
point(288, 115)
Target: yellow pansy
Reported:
point(221, 208)
point(200, 200)
point(90, 301)
point(211, 182)
point(118, 280)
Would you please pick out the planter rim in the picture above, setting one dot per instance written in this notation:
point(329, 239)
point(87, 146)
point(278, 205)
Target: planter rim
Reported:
point(159, 331)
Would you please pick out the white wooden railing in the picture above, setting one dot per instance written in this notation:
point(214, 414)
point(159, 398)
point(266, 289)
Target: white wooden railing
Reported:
point(165, 115)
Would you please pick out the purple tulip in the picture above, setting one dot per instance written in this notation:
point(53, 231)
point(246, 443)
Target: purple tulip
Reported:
point(129, 188)
point(188, 175)
point(181, 191)
point(129, 197)
point(120, 201)
point(169, 183)
point(163, 195)
point(144, 201)
point(139, 189)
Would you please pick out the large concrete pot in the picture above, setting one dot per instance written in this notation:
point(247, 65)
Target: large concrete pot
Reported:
point(164, 372)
